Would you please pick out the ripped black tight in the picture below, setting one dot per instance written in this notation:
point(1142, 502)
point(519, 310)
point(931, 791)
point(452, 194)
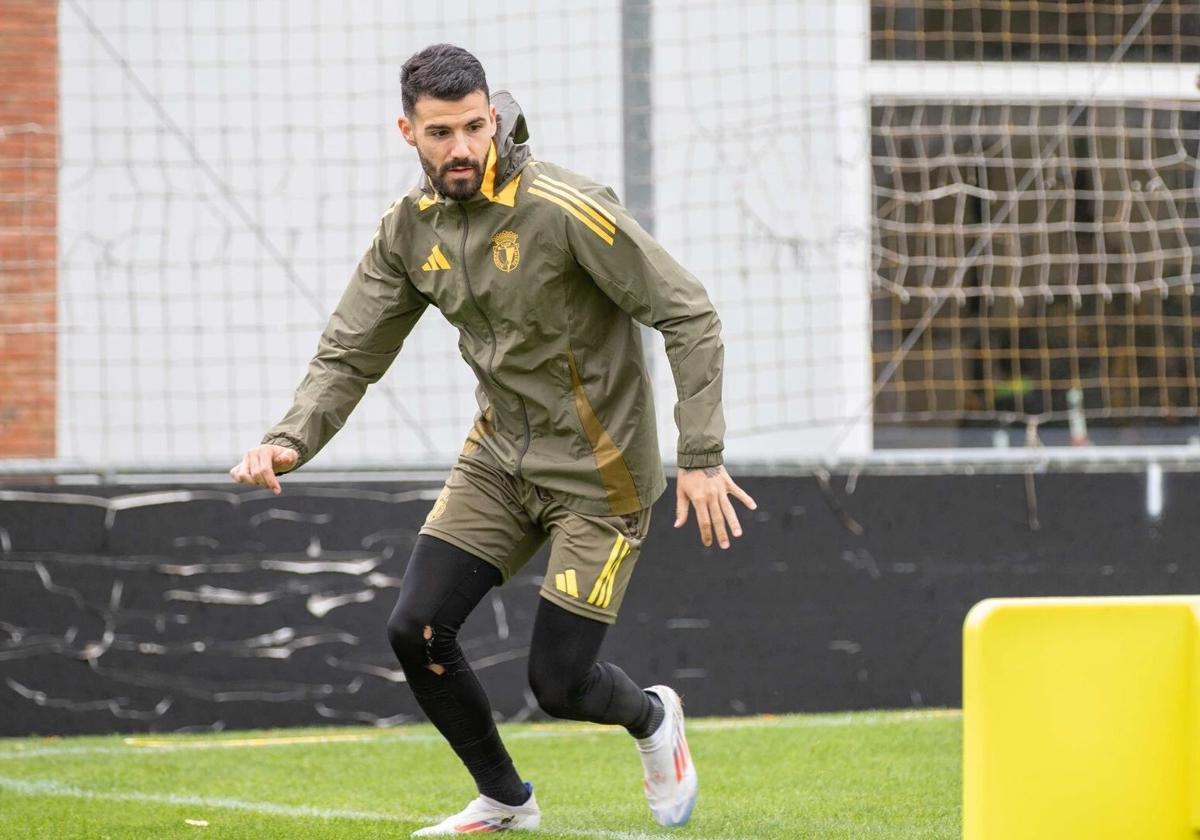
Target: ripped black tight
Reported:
point(442, 585)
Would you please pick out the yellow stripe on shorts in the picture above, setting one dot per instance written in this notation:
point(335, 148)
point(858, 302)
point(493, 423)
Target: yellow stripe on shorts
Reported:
point(608, 587)
point(598, 589)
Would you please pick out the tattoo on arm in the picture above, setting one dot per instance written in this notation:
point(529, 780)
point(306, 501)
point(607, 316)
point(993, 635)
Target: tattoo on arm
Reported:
point(709, 472)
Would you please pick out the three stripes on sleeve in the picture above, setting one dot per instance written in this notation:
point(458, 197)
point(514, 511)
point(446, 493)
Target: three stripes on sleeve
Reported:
point(593, 216)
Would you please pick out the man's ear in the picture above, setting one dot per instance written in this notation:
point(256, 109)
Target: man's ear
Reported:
point(406, 129)
point(495, 122)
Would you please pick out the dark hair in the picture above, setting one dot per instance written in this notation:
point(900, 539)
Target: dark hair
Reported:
point(442, 71)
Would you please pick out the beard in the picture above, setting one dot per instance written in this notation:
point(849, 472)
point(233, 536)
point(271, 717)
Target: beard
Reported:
point(459, 188)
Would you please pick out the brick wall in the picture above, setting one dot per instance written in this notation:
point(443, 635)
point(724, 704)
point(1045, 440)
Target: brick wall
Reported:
point(28, 226)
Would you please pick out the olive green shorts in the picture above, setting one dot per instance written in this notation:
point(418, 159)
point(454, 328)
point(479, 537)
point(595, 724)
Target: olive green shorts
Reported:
point(504, 521)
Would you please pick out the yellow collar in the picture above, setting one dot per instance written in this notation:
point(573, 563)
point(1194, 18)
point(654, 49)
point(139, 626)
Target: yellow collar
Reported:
point(508, 195)
point(489, 173)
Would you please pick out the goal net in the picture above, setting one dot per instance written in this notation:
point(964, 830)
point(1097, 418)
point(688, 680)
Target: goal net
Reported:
point(1035, 215)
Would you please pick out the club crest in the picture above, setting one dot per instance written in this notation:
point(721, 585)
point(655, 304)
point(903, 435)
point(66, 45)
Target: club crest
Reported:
point(506, 253)
point(439, 506)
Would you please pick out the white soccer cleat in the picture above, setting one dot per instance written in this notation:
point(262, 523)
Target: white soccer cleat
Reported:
point(484, 815)
point(670, 776)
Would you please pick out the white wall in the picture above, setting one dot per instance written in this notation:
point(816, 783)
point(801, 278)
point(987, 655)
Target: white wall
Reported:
point(224, 165)
point(763, 186)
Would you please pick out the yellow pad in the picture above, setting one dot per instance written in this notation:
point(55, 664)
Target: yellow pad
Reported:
point(1081, 720)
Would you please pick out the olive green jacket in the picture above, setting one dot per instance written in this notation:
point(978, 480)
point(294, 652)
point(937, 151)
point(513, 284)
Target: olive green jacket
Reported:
point(544, 274)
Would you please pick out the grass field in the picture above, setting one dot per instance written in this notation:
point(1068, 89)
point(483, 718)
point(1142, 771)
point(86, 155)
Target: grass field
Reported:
point(893, 775)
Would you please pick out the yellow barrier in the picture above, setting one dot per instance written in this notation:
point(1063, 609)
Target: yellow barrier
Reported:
point(1080, 719)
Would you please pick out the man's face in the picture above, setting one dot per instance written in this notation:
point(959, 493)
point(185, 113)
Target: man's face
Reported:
point(452, 139)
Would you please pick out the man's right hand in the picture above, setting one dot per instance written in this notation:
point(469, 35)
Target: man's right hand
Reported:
point(261, 464)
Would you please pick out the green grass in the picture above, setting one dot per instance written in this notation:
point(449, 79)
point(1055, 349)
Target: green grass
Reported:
point(891, 775)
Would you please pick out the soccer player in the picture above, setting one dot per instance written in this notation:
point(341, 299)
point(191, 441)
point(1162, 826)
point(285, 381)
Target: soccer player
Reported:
point(545, 275)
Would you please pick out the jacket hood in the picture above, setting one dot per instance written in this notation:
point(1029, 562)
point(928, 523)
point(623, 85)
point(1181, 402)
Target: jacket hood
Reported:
point(512, 132)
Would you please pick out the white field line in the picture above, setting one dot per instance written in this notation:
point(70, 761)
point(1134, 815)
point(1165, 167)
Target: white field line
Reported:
point(141, 746)
point(50, 787)
point(269, 741)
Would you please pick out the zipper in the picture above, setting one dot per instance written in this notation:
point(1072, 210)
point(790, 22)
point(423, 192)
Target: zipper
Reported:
point(491, 366)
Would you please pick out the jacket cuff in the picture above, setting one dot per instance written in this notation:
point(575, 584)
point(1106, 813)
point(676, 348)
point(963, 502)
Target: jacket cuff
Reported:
point(695, 460)
point(291, 442)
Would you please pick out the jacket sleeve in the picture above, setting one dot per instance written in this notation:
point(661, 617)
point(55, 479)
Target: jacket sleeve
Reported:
point(377, 311)
point(644, 280)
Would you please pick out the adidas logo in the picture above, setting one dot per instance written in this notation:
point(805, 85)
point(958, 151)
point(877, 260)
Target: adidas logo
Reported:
point(567, 582)
point(437, 260)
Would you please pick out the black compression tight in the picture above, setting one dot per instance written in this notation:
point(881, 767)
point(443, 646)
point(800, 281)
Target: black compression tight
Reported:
point(568, 681)
point(442, 585)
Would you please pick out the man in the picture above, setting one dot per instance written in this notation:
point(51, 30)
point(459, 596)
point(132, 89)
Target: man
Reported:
point(544, 274)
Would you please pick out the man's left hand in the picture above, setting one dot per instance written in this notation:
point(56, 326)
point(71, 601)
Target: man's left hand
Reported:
point(708, 489)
